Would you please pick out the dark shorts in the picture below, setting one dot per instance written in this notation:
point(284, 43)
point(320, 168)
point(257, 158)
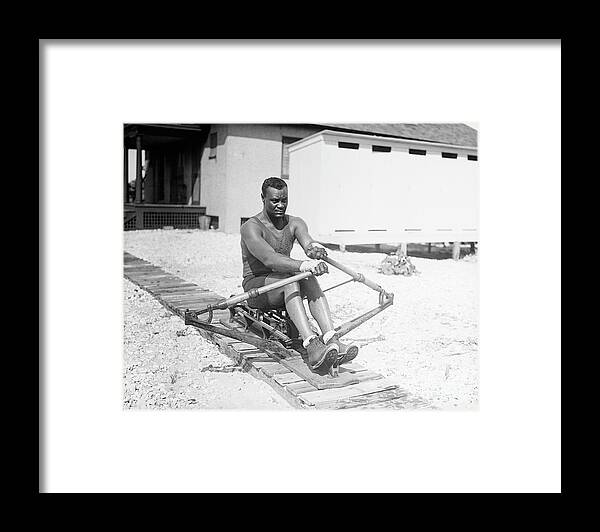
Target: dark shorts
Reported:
point(262, 302)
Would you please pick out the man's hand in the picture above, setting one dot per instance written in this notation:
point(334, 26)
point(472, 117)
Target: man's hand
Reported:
point(317, 267)
point(316, 251)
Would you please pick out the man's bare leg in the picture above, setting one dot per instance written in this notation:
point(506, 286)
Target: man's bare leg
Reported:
point(319, 355)
point(319, 308)
point(290, 296)
point(317, 303)
point(296, 310)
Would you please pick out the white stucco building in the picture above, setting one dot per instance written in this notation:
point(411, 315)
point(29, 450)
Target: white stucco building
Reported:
point(353, 183)
point(366, 189)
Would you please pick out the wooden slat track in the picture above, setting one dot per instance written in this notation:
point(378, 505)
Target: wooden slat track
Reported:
point(177, 295)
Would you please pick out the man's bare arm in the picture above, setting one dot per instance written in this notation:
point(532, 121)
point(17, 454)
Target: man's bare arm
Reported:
point(313, 249)
point(261, 249)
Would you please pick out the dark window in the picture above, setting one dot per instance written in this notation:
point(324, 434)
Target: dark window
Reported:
point(213, 146)
point(415, 151)
point(348, 145)
point(448, 155)
point(472, 157)
point(382, 148)
point(285, 155)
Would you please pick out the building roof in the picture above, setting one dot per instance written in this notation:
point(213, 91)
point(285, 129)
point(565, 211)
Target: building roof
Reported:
point(453, 133)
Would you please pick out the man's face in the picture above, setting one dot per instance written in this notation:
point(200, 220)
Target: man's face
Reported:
point(275, 201)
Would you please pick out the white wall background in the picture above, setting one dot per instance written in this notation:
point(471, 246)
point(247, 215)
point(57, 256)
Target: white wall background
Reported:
point(247, 155)
point(384, 197)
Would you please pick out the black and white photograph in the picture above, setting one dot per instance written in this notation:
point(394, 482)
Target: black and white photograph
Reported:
point(301, 265)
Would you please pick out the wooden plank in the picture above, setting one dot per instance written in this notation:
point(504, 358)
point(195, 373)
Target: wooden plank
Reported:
point(382, 398)
point(147, 278)
point(335, 394)
point(353, 367)
point(138, 262)
point(179, 294)
point(243, 346)
point(173, 285)
point(146, 281)
point(260, 365)
point(177, 288)
point(297, 388)
point(139, 277)
point(179, 300)
point(322, 382)
point(138, 267)
point(301, 386)
point(174, 298)
point(132, 265)
point(208, 299)
point(288, 378)
point(175, 292)
point(250, 358)
point(231, 341)
point(144, 270)
point(254, 355)
point(271, 371)
point(270, 368)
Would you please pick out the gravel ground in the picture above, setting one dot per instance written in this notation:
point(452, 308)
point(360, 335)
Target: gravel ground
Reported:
point(428, 341)
point(169, 365)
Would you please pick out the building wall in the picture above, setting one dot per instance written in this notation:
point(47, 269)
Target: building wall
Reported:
point(305, 187)
point(246, 155)
point(378, 197)
point(213, 176)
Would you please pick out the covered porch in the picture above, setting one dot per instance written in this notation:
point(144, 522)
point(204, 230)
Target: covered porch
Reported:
point(161, 176)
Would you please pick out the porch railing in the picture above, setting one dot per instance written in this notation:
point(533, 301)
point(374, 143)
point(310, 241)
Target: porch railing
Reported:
point(158, 215)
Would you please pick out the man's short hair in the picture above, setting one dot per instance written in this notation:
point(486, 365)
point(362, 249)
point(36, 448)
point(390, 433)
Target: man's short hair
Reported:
point(274, 182)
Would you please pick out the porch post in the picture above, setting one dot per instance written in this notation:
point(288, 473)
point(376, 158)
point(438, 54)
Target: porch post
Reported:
point(138, 169)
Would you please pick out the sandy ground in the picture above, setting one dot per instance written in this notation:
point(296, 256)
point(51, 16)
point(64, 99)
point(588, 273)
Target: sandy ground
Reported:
point(168, 365)
point(428, 341)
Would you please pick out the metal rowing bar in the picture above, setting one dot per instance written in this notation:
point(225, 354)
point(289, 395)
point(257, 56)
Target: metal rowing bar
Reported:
point(340, 284)
point(355, 275)
point(385, 298)
point(254, 292)
point(345, 328)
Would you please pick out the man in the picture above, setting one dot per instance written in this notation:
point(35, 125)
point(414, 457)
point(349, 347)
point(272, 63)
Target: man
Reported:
point(266, 240)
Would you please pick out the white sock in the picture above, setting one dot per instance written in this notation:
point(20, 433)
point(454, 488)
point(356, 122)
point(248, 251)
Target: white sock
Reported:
point(327, 336)
point(307, 340)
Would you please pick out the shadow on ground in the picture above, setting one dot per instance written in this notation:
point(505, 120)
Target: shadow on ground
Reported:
point(425, 251)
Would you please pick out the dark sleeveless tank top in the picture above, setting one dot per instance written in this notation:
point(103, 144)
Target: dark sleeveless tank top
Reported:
point(281, 241)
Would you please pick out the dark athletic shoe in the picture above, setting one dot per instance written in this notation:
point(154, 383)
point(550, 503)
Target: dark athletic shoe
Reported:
point(321, 356)
point(347, 352)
